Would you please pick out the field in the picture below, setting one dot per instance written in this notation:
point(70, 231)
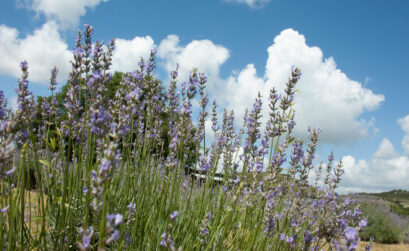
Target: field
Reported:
point(124, 162)
point(385, 247)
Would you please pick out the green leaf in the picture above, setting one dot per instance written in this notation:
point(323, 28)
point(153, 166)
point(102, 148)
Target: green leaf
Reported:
point(45, 163)
point(52, 143)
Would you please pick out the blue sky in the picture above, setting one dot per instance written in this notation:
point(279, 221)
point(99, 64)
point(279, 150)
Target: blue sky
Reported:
point(354, 56)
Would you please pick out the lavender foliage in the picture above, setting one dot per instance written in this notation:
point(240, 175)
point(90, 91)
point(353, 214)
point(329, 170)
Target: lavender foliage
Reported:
point(137, 152)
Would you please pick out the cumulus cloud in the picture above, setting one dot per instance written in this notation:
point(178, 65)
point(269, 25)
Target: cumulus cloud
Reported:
point(240, 91)
point(128, 53)
point(386, 150)
point(202, 54)
point(384, 171)
point(251, 3)
point(375, 174)
point(327, 98)
point(66, 13)
point(43, 49)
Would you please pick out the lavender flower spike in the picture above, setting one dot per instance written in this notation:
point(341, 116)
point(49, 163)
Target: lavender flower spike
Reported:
point(3, 210)
point(173, 215)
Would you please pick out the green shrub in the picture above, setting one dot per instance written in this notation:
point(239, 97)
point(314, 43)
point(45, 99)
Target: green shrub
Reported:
point(381, 225)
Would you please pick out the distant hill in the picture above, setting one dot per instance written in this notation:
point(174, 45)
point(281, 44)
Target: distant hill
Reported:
point(401, 196)
point(397, 199)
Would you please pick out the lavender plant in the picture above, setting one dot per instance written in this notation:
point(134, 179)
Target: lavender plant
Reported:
point(248, 189)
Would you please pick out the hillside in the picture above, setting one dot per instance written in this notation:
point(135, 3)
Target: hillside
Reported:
point(388, 219)
point(399, 200)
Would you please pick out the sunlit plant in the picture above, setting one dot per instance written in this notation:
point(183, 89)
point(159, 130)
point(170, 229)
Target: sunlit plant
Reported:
point(136, 172)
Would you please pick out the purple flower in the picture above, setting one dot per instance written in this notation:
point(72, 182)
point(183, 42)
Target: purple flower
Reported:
point(363, 223)
point(291, 98)
point(53, 80)
point(163, 241)
point(350, 234)
point(24, 65)
point(86, 241)
point(86, 237)
point(307, 237)
point(282, 236)
point(10, 172)
point(3, 210)
point(132, 207)
point(173, 215)
point(203, 163)
point(298, 153)
point(203, 77)
point(110, 217)
point(100, 121)
point(291, 125)
point(115, 235)
point(3, 106)
point(105, 165)
point(356, 212)
point(205, 231)
point(167, 241)
point(292, 239)
point(118, 219)
point(296, 72)
point(193, 82)
point(343, 222)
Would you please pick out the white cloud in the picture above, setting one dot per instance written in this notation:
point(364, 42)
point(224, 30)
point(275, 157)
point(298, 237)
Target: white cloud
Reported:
point(66, 13)
point(385, 150)
point(251, 3)
point(404, 123)
point(375, 174)
point(43, 50)
point(384, 171)
point(240, 91)
point(327, 99)
point(13, 103)
point(202, 54)
point(128, 53)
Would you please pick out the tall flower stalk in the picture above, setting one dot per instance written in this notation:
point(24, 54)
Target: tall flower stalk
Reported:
point(126, 166)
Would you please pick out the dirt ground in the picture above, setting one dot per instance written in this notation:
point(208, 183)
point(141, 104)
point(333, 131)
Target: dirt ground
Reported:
point(384, 247)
